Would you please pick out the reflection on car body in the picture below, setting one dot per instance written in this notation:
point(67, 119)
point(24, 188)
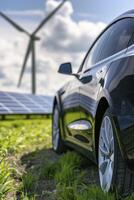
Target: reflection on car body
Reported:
point(96, 109)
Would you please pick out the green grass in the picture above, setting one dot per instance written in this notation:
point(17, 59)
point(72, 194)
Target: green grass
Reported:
point(18, 138)
point(30, 170)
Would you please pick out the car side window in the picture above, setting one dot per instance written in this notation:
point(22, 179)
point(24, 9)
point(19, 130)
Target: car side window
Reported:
point(113, 40)
point(119, 37)
point(94, 54)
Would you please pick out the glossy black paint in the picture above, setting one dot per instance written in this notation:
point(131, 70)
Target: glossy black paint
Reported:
point(110, 80)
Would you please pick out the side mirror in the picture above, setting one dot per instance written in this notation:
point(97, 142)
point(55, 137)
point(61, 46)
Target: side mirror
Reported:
point(65, 68)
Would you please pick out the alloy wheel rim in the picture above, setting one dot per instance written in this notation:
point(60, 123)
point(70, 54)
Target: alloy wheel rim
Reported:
point(106, 154)
point(55, 138)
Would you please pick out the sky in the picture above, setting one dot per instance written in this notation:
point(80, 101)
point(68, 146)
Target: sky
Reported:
point(65, 38)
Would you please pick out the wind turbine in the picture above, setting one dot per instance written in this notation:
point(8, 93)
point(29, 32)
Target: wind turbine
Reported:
point(31, 44)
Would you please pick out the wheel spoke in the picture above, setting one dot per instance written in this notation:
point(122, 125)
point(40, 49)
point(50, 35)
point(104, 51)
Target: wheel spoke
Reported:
point(103, 150)
point(103, 183)
point(112, 157)
point(55, 134)
point(105, 176)
point(108, 176)
point(106, 125)
point(55, 119)
point(105, 141)
point(103, 166)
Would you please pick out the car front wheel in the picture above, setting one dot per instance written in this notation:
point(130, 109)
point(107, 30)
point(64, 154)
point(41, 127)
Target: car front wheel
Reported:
point(113, 172)
point(57, 143)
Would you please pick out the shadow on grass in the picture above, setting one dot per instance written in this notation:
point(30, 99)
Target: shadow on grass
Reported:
point(35, 183)
point(40, 167)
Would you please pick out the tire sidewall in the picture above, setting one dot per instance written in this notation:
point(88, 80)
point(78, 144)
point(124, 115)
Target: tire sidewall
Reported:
point(60, 145)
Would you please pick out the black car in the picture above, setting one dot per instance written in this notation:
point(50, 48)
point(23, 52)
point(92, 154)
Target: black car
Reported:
point(94, 113)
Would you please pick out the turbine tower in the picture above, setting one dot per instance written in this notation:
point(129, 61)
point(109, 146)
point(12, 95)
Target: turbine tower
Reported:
point(31, 44)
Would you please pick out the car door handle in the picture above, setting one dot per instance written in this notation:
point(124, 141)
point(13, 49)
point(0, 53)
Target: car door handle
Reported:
point(101, 81)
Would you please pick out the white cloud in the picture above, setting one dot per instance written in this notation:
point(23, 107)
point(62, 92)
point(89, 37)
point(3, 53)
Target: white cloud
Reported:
point(86, 15)
point(67, 10)
point(64, 34)
point(63, 39)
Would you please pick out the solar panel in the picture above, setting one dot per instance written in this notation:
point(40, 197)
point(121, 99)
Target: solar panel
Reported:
point(16, 103)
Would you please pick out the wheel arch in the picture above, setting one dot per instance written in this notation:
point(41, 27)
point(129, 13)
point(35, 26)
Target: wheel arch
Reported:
point(56, 101)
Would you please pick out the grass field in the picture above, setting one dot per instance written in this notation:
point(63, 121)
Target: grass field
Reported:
point(30, 170)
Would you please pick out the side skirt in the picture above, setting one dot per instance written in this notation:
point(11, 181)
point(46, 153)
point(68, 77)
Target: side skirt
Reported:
point(82, 151)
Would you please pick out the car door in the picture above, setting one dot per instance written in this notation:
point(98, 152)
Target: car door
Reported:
point(70, 103)
point(88, 90)
point(110, 46)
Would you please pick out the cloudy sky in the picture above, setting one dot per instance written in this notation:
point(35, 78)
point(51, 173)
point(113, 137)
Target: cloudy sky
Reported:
point(65, 38)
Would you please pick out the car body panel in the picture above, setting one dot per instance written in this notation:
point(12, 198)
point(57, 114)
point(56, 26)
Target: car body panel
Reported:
point(121, 90)
point(112, 79)
point(70, 105)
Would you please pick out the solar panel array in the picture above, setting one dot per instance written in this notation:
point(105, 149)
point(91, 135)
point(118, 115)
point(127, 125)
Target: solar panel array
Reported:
point(16, 103)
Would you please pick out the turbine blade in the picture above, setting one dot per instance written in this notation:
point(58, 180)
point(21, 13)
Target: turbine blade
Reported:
point(24, 63)
point(18, 27)
point(44, 21)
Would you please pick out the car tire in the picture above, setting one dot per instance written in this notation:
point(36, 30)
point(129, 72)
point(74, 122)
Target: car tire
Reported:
point(114, 174)
point(57, 142)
